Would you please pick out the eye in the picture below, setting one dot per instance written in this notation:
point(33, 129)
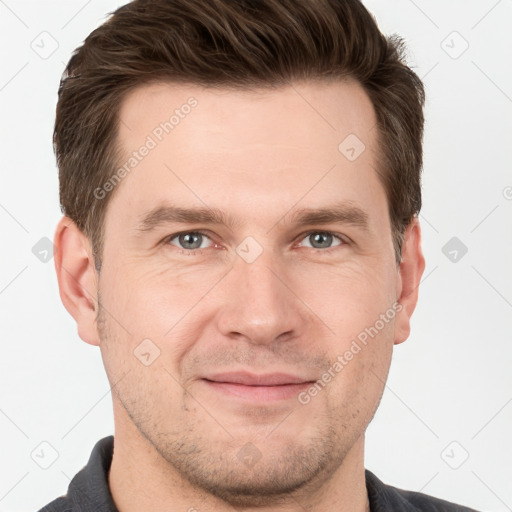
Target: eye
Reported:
point(322, 239)
point(190, 240)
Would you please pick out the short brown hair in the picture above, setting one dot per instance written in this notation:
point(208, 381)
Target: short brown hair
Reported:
point(244, 44)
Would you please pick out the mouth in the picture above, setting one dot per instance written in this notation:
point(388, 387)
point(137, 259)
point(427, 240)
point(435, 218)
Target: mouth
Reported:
point(254, 387)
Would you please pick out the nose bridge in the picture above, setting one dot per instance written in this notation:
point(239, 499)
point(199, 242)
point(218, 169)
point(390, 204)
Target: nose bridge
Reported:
point(258, 305)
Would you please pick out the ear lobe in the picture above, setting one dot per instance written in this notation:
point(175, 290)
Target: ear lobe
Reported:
point(411, 269)
point(77, 278)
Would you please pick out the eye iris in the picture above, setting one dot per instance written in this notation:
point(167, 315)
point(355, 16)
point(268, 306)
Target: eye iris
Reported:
point(323, 239)
point(194, 239)
point(187, 239)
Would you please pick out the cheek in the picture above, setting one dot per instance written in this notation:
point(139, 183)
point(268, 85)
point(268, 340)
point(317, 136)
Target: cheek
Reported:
point(147, 303)
point(164, 302)
point(348, 297)
point(360, 370)
point(359, 307)
point(137, 291)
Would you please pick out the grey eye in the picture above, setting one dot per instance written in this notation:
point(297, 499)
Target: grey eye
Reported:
point(190, 240)
point(322, 240)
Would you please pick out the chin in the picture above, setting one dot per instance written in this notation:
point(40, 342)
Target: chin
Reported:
point(249, 477)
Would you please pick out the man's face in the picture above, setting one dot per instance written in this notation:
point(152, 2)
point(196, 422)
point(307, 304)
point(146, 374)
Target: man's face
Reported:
point(258, 296)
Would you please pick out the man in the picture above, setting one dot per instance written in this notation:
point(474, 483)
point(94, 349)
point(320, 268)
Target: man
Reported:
point(240, 182)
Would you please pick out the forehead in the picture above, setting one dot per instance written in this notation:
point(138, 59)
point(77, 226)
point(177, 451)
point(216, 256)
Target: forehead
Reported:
point(307, 110)
point(189, 144)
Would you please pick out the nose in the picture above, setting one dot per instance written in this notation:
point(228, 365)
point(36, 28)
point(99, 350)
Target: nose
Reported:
point(258, 303)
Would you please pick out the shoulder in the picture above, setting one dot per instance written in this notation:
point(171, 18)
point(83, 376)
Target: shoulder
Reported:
point(384, 498)
point(89, 491)
point(61, 504)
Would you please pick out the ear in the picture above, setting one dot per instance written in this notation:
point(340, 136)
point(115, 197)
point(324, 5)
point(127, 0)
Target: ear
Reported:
point(411, 269)
point(77, 277)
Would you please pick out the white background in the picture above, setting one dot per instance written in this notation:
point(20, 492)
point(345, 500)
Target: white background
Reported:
point(450, 384)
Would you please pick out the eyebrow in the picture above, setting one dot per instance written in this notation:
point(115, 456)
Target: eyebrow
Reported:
point(344, 213)
point(163, 215)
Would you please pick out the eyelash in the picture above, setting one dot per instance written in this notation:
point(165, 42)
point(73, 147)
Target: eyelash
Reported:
point(341, 238)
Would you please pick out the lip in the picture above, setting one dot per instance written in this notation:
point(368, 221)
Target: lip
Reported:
point(253, 379)
point(254, 387)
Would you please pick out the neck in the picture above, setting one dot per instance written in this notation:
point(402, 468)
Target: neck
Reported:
point(140, 479)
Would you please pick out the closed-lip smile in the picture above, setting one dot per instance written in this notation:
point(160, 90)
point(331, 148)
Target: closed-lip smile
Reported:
point(258, 387)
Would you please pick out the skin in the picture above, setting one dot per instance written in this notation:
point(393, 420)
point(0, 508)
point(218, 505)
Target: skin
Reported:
point(258, 156)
